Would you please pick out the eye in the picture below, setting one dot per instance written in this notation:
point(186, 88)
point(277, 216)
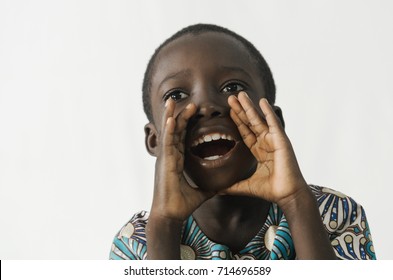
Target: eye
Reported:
point(232, 88)
point(176, 95)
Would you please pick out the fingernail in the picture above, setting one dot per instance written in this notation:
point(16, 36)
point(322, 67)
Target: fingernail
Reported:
point(166, 103)
point(245, 94)
point(189, 106)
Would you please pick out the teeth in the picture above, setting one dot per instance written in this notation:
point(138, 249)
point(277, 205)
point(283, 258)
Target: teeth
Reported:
point(207, 138)
point(215, 136)
point(211, 137)
point(212, 157)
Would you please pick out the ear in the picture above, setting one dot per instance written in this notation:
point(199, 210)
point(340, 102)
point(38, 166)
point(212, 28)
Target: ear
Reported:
point(151, 139)
point(278, 112)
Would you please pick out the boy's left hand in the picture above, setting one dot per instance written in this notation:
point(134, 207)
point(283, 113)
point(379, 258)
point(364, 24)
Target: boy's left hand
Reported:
point(277, 178)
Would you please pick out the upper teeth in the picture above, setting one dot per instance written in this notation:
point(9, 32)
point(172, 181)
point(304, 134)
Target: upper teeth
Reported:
point(211, 137)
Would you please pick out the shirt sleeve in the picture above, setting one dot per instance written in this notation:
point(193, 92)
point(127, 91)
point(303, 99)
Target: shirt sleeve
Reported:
point(345, 221)
point(130, 242)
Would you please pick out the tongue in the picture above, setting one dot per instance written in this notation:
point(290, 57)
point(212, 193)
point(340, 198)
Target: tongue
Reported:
point(213, 149)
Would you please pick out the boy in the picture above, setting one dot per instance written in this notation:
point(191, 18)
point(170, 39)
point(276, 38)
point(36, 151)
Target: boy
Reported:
point(227, 183)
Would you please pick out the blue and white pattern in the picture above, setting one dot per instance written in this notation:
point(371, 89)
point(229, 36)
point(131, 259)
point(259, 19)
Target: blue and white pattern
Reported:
point(344, 220)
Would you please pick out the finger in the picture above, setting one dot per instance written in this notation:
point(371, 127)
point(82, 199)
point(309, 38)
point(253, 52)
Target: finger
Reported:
point(168, 126)
point(181, 124)
point(272, 120)
point(184, 116)
point(168, 134)
point(257, 124)
point(168, 112)
point(239, 117)
point(174, 129)
point(248, 136)
point(235, 105)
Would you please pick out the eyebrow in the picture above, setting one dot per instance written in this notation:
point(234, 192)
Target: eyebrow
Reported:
point(176, 75)
point(235, 69)
point(187, 73)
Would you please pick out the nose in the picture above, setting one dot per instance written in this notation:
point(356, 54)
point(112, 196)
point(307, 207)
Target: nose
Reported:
point(208, 111)
point(210, 104)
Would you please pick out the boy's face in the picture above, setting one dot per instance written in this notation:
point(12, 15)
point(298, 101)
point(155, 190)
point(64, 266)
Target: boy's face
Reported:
point(206, 69)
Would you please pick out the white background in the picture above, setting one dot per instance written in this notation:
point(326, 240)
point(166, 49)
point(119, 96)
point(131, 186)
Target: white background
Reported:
point(73, 167)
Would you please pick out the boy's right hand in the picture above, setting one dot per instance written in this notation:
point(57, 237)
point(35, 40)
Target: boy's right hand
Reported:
point(174, 198)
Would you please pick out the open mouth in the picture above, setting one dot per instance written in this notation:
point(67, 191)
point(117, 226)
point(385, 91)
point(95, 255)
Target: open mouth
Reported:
point(212, 146)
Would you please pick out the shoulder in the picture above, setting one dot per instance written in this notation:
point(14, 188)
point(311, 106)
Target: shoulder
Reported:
point(319, 191)
point(345, 221)
point(134, 228)
point(130, 241)
point(337, 209)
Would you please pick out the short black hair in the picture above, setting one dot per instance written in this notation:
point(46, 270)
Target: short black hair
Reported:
point(265, 72)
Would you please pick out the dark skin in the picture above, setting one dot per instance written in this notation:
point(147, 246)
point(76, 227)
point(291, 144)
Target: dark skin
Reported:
point(207, 85)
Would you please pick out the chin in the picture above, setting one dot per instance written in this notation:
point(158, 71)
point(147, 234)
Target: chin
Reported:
point(211, 182)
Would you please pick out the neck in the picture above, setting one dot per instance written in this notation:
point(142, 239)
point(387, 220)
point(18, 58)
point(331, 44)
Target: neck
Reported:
point(232, 220)
point(225, 208)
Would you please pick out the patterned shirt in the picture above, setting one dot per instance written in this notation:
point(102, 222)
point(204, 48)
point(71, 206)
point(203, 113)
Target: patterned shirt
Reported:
point(343, 218)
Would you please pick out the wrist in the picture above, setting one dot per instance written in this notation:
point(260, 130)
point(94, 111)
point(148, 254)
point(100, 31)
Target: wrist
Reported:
point(302, 195)
point(165, 220)
point(311, 240)
point(163, 236)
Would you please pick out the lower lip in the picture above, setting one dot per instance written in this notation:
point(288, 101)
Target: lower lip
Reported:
point(216, 162)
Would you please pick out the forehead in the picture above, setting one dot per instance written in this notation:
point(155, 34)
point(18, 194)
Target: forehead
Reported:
point(207, 41)
point(201, 52)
